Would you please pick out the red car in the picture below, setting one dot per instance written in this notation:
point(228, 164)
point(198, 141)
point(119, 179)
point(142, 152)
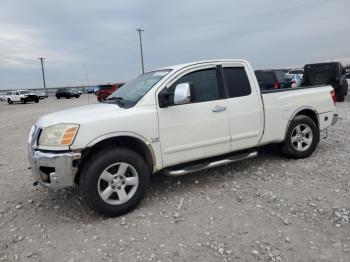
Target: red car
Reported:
point(105, 90)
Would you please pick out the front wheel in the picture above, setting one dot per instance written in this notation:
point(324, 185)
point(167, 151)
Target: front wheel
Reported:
point(302, 138)
point(9, 101)
point(114, 181)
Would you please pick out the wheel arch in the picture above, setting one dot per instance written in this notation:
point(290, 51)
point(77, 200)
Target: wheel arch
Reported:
point(305, 111)
point(127, 140)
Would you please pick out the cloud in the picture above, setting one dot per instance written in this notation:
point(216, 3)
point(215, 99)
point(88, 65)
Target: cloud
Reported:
point(102, 35)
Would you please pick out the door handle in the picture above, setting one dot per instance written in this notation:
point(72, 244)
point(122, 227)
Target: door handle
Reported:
point(218, 108)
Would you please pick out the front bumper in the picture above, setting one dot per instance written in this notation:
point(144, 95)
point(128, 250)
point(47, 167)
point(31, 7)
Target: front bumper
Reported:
point(53, 170)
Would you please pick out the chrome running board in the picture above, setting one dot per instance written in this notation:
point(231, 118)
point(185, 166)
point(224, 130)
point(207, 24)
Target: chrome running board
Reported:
point(205, 165)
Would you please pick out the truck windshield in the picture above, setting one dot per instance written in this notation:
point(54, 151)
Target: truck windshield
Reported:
point(130, 93)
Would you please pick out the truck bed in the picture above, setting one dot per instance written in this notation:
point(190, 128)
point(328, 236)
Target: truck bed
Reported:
point(281, 105)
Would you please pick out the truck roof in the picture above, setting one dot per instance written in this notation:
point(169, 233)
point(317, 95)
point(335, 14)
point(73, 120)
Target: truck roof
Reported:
point(180, 66)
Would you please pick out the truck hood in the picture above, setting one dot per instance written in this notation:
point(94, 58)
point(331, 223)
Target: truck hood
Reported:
point(78, 115)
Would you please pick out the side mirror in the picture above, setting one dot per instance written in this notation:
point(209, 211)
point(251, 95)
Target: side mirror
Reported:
point(183, 94)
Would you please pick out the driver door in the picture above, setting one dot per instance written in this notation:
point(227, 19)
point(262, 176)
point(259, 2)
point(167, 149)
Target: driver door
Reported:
point(16, 97)
point(200, 128)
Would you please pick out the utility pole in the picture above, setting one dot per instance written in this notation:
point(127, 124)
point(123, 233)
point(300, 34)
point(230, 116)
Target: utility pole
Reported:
point(43, 72)
point(87, 82)
point(140, 31)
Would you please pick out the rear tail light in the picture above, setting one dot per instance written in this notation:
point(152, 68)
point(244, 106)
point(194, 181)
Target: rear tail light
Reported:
point(333, 96)
point(275, 85)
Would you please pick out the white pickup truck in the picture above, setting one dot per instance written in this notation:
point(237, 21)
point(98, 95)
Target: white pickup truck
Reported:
point(22, 96)
point(175, 120)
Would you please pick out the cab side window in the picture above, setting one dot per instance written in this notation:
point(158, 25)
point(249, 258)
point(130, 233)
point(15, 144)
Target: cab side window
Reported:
point(237, 81)
point(204, 82)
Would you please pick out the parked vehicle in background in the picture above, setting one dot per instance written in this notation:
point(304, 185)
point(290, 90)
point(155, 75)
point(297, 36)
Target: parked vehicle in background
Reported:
point(296, 81)
point(326, 74)
point(22, 96)
point(67, 93)
point(272, 79)
point(41, 95)
point(293, 72)
point(92, 89)
point(175, 120)
point(106, 90)
point(346, 82)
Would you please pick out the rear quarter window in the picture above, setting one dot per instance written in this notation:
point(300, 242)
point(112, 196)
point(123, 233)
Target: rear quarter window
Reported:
point(237, 81)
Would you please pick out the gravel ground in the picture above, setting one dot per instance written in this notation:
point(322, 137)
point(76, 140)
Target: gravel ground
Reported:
point(265, 209)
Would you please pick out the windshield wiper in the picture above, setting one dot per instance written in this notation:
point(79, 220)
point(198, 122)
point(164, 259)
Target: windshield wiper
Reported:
point(117, 99)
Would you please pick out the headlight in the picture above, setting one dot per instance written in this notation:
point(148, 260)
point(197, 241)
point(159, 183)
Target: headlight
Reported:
point(58, 135)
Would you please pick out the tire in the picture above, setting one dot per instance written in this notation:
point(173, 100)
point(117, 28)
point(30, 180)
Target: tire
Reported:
point(9, 101)
point(37, 100)
point(58, 97)
point(319, 77)
point(291, 146)
point(340, 93)
point(23, 101)
point(77, 96)
point(119, 196)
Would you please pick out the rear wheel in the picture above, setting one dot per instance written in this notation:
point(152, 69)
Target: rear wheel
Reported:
point(115, 181)
point(37, 100)
point(58, 97)
point(302, 138)
point(23, 101)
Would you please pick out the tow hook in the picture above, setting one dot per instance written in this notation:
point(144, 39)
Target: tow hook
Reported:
point(35, 183)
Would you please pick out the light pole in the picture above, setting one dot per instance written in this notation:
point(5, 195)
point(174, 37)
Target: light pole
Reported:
point(140, 31)
point(43, 72)
point(87, 82)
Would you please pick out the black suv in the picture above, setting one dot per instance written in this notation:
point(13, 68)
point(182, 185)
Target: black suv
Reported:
point(272, 79)
point(67, 93)
point(331, 73)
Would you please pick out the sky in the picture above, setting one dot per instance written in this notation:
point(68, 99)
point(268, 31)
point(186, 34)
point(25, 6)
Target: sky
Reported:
point(101, 36)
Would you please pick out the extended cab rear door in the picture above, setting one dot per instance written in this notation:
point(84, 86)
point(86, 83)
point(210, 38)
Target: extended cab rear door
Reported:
point(245, 109)
point(199, 129)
